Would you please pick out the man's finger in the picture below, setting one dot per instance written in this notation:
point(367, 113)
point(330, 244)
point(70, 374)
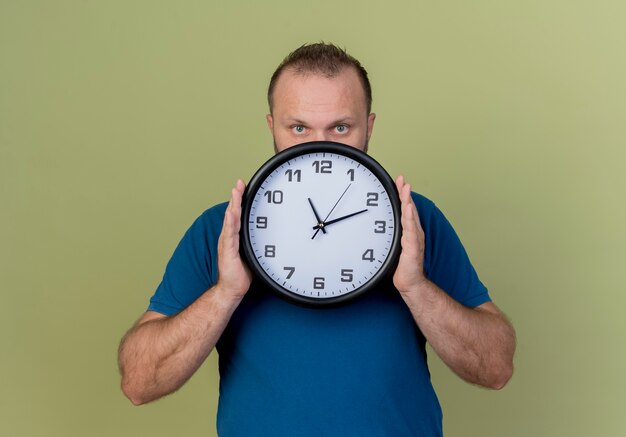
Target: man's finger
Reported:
point(399, 183)
point(229, 237)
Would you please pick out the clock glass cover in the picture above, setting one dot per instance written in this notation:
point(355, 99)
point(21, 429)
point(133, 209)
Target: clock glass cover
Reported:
point(320, 223)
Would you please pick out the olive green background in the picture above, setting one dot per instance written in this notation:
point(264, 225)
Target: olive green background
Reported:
point(121, 121)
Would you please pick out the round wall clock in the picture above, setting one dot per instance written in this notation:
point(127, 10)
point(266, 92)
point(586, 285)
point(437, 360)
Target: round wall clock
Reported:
point(321, 223)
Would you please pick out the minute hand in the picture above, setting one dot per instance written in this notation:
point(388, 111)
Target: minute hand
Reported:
point(330, 222)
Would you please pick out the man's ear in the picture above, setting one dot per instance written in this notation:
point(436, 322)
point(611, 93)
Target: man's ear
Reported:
point(270, 122)
point(370, 124)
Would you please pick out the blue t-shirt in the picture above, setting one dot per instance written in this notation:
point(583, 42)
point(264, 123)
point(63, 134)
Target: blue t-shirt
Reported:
point(355, 370)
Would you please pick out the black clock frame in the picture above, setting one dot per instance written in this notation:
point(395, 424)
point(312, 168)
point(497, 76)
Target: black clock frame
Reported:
point(303, 149)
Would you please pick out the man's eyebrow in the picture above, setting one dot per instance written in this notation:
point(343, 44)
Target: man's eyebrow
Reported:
point(343, 120)
point(295, 121)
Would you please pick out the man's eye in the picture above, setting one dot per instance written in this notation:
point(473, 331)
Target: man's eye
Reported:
point(298, 129)
point(341, 128)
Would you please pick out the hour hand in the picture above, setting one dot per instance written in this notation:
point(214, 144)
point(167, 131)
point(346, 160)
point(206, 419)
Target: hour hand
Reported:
point(317, 217)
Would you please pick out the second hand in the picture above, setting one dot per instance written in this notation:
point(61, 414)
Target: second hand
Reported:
point(331, 211)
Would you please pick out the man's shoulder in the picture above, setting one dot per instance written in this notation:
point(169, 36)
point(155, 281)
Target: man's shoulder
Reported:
point(431, 217)
point(422, 203)
point(209, 223)
point(211, 217)
point(216, 212)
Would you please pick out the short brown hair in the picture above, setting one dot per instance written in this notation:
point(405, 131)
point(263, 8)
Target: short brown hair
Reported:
point(321, 58)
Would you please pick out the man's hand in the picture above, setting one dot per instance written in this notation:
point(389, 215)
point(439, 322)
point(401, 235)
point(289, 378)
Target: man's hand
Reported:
point(410, 271)
point(160, 353)
point(476, 343)
point(234, 277)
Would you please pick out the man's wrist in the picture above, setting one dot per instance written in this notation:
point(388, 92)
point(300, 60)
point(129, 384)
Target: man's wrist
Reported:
point(419, 286)
point(421, 297)
point(226, 297)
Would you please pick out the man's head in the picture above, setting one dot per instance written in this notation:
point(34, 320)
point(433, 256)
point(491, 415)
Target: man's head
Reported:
point(320, 93)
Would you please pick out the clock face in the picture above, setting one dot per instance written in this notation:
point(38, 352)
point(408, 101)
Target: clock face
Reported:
point(320, 223)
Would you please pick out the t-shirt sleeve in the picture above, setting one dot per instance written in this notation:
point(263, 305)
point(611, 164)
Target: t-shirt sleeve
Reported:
point(446, 262)
point(192, 269)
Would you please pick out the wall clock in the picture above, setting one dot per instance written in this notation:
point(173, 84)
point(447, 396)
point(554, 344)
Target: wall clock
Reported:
point(321, 223)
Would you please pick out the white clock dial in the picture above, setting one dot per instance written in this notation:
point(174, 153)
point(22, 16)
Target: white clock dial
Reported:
point(321, 225)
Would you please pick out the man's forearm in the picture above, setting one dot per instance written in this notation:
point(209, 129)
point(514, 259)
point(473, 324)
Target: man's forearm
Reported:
point(158, 355)
point(476, 343)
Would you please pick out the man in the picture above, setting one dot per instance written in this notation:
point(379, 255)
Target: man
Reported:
point(359, 369)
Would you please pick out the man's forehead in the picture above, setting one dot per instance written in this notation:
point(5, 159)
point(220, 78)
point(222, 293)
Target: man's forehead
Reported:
point(316, 90)
point(298, 76)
